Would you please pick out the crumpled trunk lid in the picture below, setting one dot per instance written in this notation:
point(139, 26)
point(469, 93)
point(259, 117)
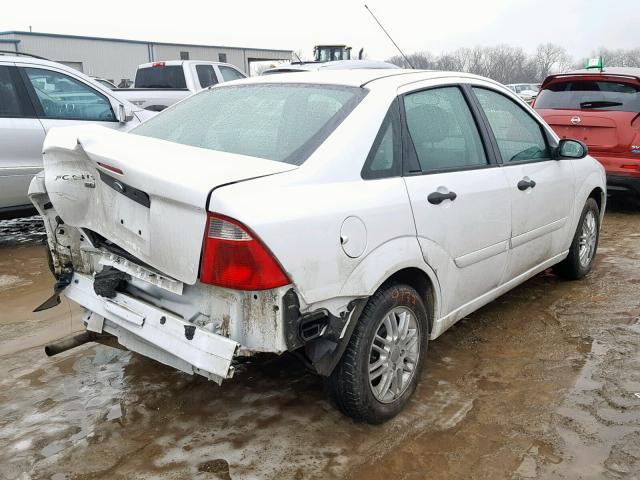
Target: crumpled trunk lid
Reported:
point(145, 195)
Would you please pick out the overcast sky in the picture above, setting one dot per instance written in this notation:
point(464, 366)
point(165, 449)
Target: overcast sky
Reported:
point(580, 25)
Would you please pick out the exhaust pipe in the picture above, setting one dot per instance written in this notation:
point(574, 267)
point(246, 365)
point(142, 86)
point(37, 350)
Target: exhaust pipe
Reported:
point(68, 343)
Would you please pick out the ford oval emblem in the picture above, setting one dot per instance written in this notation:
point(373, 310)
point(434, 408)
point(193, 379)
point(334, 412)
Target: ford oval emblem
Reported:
point(575, 120)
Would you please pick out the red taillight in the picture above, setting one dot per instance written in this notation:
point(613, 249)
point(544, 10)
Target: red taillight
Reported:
point(630, 167)
point(233, 257)
point(111, 168)
point(158, 64)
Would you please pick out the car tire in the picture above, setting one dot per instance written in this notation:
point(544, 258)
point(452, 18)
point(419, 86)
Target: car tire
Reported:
point(579, 261)
point(360, 394)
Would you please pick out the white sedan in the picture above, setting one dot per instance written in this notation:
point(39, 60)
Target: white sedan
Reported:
point(349, 216)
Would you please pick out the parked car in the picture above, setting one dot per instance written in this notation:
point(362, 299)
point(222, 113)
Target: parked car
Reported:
point(349, 216)
point(36, 95)
point(334, 65)
point(106, 83)
point(160, 84)
point(526, 91)
point(603, 110)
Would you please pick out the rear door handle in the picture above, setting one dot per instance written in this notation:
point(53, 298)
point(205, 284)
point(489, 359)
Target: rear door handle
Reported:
point(525, 184)
point(436, 198)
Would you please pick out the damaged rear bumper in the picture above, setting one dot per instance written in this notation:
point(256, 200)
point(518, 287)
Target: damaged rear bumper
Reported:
point(154, 332)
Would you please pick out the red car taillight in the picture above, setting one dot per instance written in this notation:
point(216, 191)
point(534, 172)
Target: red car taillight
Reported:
point(233, 257)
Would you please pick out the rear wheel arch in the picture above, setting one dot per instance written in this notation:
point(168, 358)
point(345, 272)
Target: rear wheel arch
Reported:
point(422, 283)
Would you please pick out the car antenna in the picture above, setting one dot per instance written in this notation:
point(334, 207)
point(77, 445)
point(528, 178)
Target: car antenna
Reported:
point(387, 34)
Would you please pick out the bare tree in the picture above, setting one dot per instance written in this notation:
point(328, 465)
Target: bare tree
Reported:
point(509, 64)
point(620, 57)
point(420, 60)
point(551, 58)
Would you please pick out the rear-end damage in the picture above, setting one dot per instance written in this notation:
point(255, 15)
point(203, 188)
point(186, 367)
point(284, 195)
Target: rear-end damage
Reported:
point(196, 328)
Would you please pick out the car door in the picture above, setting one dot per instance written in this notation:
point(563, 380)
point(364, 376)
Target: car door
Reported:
point(459, 195)
point(61, 99)
point(21, 137)
point(541, 188)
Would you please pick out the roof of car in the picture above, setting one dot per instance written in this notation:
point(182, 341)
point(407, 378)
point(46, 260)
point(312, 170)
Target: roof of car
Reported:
point(334, 65)
point(179, 62)
point(28, 59)
point(613, 71)
point(355, 77)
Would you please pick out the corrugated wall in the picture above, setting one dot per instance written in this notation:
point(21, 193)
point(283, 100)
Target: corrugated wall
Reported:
point(172, 52)
point(99, 58)
point(117, 60)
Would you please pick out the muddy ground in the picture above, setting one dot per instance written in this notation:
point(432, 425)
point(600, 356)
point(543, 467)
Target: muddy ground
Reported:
point(542, 383)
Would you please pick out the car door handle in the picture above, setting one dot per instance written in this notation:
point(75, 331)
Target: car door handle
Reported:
point(436, 198)
point(525, 184)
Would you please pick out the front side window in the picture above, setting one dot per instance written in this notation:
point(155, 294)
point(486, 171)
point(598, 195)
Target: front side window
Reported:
point(206, 75)
point(10, 105)
point(229, 73)
point(443, 130)
point(590, 95)
point(282, 122)
point(63, 97)
point(518, 135)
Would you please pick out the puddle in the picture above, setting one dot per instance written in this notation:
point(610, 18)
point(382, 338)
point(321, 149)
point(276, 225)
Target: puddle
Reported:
point(22, 231)
point(540, 384)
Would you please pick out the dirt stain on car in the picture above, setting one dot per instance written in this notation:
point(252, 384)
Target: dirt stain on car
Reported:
point(541, 383)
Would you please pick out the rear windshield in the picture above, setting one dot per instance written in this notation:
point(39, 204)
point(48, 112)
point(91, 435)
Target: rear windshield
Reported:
point(282, 122)
point(171, 76)
point(590, 95)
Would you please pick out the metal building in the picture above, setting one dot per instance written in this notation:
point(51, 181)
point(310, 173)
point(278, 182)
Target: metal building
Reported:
point(117, 59)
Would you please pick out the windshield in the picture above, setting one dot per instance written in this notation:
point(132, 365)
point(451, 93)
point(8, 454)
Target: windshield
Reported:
point(588, 95)
point(171, 76)
point(282, 122)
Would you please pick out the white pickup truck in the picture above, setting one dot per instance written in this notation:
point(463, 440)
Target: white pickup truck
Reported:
point(160, 84)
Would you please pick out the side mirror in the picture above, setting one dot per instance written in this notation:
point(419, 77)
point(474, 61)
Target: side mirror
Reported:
point(568, 148)
point(125, 114)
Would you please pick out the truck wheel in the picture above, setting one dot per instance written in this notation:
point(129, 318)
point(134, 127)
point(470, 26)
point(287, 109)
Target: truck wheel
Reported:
point(584, 245)
point(381, 365)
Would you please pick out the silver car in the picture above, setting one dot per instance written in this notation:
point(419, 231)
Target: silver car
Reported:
point(35, 96)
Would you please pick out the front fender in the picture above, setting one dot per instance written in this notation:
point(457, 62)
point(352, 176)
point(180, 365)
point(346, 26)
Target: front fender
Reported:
point(596, 178)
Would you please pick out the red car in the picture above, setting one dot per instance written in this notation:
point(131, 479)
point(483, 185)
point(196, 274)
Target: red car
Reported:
point(603, 110)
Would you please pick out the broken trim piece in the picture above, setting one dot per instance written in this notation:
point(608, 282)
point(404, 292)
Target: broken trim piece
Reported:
point(324, 335)
point(161, 330)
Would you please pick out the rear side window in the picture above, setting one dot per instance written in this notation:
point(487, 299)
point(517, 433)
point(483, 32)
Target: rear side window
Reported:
point(590, 95)
point(162, 76)
point(443, 130)
point(229, 73)
point(10, 105)
point(518, 135)
point(206, 75)
point(282, 122)
point(384, 159)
